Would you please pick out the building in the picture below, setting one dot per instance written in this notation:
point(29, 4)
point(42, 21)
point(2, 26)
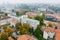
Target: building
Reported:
point(10, 38)
point(31, 22)
point(26, 37)
point(54, 24)
point(4, 20)
point(31, 14)
point(57, 16)
point(13, 21)
point(51, 32)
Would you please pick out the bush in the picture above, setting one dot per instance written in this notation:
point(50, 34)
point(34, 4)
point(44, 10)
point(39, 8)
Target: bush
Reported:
point(4, 36)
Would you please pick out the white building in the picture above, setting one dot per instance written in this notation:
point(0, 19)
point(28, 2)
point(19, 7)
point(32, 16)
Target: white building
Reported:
point(31, 22)
point(49, 34)
point(45, 35)
point(4, 21)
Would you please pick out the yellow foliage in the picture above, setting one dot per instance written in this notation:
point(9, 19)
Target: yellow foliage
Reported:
point(9, 31)
point(24, 28)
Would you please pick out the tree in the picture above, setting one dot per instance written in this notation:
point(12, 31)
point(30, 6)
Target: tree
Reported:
point(37, 17)
point(9, 31)
point(40, 19)
point(24, 29)
point(6, 14)
point(17, 13)
point(43, 15)
point(56, 27)
point(50, 25)
point(29, 17)
point(21, 12)
point(3, 36)
point(5, 27)
point(38, 34)
point(31, 30)
point(18, 25)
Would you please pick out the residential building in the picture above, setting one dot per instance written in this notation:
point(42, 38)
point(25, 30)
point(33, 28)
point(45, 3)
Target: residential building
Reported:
point(31, 22)
point(31, 14)
point(13, 21)
point(26, 37)
point(54, 24)
point(57, 16)
point(53, 33)
point(4, 20)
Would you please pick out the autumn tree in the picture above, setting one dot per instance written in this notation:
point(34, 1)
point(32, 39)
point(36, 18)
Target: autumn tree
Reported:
point(24, 29)
point(18, 25)
point(9, 31)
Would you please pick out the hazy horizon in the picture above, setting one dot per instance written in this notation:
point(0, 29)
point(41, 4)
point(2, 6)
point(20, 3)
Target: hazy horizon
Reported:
point(30, 1)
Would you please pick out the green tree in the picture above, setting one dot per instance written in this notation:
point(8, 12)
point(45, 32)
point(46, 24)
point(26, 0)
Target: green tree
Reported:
point(17, 13)
point(37, 17)
point(3, 36)
point(6, 14)
point(50, 25)
point(38, 34)
point(56, 27)
point(40, 18)
point(31, 30)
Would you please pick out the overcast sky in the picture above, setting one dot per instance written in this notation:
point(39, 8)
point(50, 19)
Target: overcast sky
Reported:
point(30, 1)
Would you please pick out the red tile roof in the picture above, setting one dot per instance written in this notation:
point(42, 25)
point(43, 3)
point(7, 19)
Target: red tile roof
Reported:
point(52, 23)
point(25, 37)
point(13, 20)
point(31, 14)
point(10, 38)
point(57, 31)
point(49, 29)
point(57, 34)
point(54, 15)
point(58, 24)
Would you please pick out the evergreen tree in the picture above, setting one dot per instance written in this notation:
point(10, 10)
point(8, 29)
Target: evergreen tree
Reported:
point(38, 34)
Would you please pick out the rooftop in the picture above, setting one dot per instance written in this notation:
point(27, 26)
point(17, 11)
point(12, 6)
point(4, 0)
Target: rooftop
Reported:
point(57, 32)
point(25, 37)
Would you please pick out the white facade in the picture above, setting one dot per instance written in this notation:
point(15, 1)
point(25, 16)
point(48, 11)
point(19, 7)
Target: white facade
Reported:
point(5, 21)
point(45, 35)
point(31, 22)
point(48, 34)
point(51, 34)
